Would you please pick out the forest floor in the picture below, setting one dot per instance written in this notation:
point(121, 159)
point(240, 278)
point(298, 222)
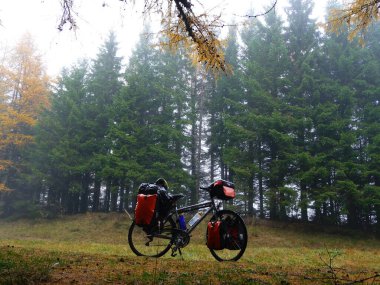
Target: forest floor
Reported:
point(93, 249)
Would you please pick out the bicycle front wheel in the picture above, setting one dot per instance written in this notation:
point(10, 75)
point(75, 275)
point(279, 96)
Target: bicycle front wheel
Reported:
point(233, 236)
point(153, 242)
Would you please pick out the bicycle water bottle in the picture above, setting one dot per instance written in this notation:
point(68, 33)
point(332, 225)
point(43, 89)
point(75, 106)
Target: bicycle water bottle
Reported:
point(195, 219)
point(182, 222)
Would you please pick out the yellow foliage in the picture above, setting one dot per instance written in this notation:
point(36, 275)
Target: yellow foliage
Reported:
point(4, 164)
point(196, 33)
point(24, 91)
point(4, 188)
point(357, 15)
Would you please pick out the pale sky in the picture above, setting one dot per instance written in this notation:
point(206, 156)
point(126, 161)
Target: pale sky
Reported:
point(95, 19)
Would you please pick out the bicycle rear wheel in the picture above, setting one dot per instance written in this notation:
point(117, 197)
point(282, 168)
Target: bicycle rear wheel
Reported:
point(234, 235)
point(154, 242)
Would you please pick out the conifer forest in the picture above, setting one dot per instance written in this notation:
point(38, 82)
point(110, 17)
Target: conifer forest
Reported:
point(295, 125)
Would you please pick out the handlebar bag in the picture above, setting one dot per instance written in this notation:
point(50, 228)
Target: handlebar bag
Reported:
point(223, 190)
point(145, 209)
point(215, 235)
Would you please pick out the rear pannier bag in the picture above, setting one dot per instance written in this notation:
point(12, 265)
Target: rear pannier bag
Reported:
point(162, 204)
point(234, 234)
point(145, 209)
point(215, 235)
point(223, 190)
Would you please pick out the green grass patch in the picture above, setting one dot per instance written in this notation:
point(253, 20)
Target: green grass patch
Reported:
point(93, 249)
point(24, 266)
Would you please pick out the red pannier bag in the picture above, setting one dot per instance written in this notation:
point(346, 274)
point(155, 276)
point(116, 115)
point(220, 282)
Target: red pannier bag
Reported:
point(215, 235)
point(223, 190)
point(233, 242)
point(234, 229)
point(145, 209)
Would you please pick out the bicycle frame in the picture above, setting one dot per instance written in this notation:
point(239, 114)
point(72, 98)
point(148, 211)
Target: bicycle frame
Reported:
point(207, 204)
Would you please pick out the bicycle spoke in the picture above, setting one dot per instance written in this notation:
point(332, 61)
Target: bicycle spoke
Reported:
point(151, 243)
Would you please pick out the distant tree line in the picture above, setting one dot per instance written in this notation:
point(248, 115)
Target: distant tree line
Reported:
point(296, 127)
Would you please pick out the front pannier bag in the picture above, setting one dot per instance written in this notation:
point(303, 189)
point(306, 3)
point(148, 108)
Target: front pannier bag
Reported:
point(145, 209)
point(234, 232)
point(223, 190)
point(225, 234)
point(215, 235)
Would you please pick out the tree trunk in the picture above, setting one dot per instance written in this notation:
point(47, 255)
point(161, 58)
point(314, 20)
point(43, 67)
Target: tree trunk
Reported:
point(193, 150)
point(73, 203)
point(282, 214)
point(251, 212)
point(222, 175)
point(107, 198)
point(273, 204)
point(122, 196)
point(261, 189)
point(114, 195)
point(85, 193)
point(128, 196)
point(199, 143)
point(96, 198)
point(132, 197)
point(303, 202)
point(212, 151)
point(377, 208)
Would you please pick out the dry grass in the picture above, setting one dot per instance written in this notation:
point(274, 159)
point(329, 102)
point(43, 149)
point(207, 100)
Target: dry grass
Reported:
point(93, 249)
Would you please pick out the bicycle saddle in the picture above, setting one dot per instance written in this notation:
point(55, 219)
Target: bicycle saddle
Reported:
point(176, 197)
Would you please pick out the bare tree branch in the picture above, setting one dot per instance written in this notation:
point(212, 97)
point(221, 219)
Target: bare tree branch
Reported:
point(261, 14)
point(67, 15)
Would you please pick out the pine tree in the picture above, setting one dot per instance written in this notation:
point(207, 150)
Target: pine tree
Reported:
point(148, 132)
point(302, 43)
point(366, 174)
point(331, 111)
point(338, 177)
point(224, 100)
point(104, 85)
point(63, 132)
point(257, 153)
point(227, 91)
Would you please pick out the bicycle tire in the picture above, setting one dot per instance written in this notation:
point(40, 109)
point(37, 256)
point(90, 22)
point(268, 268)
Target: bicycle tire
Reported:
point(226, 254)
point(152, 243)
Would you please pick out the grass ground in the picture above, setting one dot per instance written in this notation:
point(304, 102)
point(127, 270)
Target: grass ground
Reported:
point(93, 249)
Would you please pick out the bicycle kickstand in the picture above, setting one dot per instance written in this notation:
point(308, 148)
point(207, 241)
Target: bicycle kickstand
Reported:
point(174, 249)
